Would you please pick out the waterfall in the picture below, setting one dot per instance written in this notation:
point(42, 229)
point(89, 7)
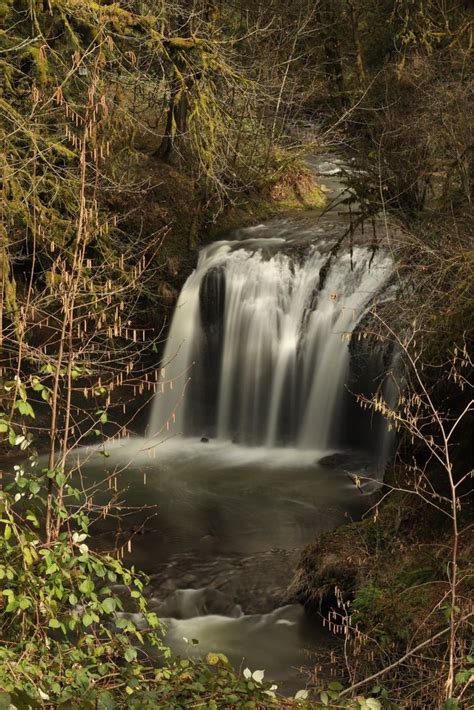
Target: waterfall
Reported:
point(258, 347)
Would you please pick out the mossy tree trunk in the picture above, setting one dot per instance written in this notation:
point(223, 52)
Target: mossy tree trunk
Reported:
point(175, 127)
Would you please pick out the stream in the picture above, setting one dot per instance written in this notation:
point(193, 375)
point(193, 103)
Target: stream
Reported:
point(254, 442)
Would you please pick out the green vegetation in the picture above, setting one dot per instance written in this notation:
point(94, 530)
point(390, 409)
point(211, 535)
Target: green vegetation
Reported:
point(134, 131)
point(65, 642)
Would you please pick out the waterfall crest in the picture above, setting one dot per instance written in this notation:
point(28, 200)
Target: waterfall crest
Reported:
point(258, 347)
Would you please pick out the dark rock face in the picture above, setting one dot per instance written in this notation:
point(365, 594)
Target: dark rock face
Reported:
point(212, 300)
point(202, 392)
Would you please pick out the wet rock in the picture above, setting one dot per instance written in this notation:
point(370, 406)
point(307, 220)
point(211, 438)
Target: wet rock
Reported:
point(169, 585)
point(257, 582)
point(352, 461)
point(189, 603)
point(155, 605)
point(335, 460)
point(188, 580)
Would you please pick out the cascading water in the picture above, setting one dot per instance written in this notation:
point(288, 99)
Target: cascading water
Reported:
point(258, 348)
point(260, 362)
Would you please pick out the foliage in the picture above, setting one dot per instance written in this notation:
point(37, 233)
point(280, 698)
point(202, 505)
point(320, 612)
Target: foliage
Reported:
point(65, 643)
point(64, 640)
point(95, 98)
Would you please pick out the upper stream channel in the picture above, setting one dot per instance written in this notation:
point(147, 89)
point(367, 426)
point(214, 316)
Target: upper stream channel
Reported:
point(255, 438)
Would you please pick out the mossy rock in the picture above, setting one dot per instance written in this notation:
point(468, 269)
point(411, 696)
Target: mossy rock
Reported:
point(390, 570)
point(333, 564)
point(339, 562)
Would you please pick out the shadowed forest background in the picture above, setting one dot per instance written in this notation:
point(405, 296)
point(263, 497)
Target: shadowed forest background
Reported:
point(134, 134)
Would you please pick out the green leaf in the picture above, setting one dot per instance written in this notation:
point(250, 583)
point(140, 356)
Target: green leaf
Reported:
point(105, 701)
point(54, 624)
point(25, 409)
point(33, 519)
point(34, 487)
point(87, 619)
point(130, 654)
point(87, 586)
point(463, 676)
point(301, 695)
point(109, 605)
point(60, 477)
